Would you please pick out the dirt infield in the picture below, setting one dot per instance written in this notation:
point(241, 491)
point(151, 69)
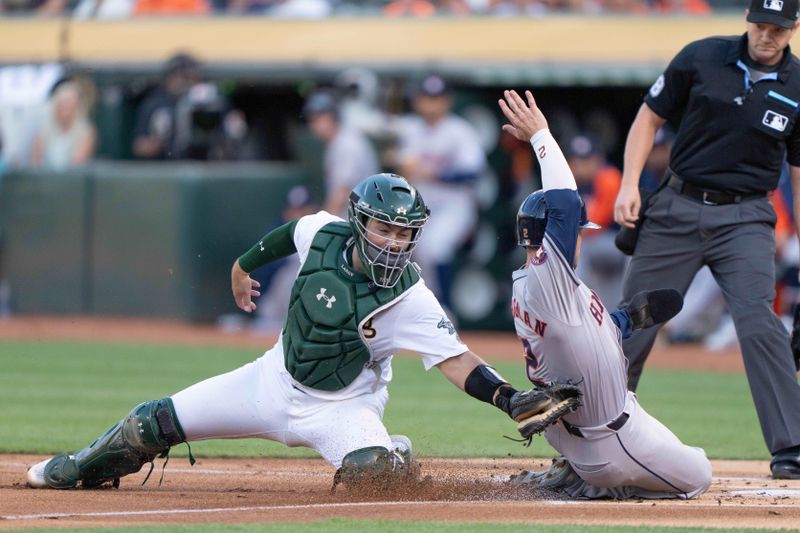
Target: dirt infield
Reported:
point(282, 490)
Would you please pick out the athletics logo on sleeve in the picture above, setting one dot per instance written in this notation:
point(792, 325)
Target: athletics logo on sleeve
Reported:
point(657, 86)
point(446, 324)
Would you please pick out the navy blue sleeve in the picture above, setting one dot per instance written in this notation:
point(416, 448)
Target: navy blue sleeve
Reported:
point(622, 319)
point(563, 219)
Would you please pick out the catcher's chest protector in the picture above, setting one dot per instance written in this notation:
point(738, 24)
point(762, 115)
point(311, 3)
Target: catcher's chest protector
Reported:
point(322, 346)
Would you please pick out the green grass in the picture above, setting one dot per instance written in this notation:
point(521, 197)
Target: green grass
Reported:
point(341, 525)
point(59, 396)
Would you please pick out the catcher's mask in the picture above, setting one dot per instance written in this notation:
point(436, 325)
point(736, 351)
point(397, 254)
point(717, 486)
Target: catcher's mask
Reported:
point(387, 198)
point(532, 219)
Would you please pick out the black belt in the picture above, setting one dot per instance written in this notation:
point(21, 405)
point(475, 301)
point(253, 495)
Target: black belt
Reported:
point(708, 197)
point(614, 425)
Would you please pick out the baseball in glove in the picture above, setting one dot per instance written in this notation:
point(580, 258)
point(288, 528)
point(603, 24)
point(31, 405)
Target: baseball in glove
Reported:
point(537, 408)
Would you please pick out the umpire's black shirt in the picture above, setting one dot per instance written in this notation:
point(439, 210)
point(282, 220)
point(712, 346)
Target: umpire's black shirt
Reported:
point(733, 132)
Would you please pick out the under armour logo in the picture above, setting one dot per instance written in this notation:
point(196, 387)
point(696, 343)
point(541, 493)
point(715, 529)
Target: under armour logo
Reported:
point(329, 299)
point(261, 245)
point(141, 429)
point(739, 100)
point(401, 210)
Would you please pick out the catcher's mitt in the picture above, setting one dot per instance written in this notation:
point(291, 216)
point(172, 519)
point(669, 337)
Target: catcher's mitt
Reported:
point(537, 408)
point(795, 341)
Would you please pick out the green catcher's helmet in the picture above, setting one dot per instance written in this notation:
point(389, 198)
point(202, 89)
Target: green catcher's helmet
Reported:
point(391, 199)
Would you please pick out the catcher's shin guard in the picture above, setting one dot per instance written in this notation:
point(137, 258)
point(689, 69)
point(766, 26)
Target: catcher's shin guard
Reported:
point(376, 468)
point(148, 431)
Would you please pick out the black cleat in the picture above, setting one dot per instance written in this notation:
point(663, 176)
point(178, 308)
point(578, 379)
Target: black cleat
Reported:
point(648, 308)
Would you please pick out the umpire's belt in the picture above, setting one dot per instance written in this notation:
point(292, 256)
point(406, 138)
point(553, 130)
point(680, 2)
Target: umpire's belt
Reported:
point(708, 197)
point(614, 425)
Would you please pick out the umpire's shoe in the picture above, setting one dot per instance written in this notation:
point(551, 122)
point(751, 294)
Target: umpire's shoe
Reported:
point(785, 464)
point(648, 308)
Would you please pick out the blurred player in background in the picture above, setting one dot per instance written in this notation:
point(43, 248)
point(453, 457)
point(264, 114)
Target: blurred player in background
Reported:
point(441, 155)
point(601, 264)
point(349, 156)
point(611, 447)
point(276, 278)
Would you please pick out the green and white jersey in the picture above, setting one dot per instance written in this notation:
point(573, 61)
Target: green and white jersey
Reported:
point(413, 322)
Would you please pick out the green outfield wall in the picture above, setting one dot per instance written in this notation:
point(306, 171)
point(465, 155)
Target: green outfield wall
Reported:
point(148, 240)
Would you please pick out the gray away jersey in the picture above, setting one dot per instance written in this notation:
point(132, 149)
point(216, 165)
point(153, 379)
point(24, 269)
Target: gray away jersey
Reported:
point(567, 333)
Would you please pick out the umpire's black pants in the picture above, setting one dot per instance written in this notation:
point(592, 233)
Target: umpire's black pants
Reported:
point(737, 242)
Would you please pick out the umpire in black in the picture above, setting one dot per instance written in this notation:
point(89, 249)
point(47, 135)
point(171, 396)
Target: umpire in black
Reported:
point(736, 100)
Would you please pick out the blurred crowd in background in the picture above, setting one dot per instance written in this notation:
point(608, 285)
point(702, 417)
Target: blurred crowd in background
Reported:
point(363, 124)
point(313, 9)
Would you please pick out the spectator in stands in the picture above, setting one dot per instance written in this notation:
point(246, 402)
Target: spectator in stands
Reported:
point(409, 8)
point(454, 7)
point(241, 7)
point(300, 9)
point(440, 153)
point(41, 8)
point(624, 6)
point(349, 156)
point(67, 137)
point(601, 265)
point(103, 9)
point(155, 122)
point(515, 8)
point(170, 7)
point(689, 7)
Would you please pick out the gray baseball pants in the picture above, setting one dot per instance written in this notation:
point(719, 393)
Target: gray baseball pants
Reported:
point(737, 242)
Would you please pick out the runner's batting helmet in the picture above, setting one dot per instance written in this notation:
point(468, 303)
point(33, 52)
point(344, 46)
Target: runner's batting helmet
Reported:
point(532, 219)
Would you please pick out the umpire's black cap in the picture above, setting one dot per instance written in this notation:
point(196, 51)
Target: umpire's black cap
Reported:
point(781, 12)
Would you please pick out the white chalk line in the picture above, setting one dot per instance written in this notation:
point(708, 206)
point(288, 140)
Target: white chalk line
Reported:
point(791, 493)
point(212, 471)
point(306, 507)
